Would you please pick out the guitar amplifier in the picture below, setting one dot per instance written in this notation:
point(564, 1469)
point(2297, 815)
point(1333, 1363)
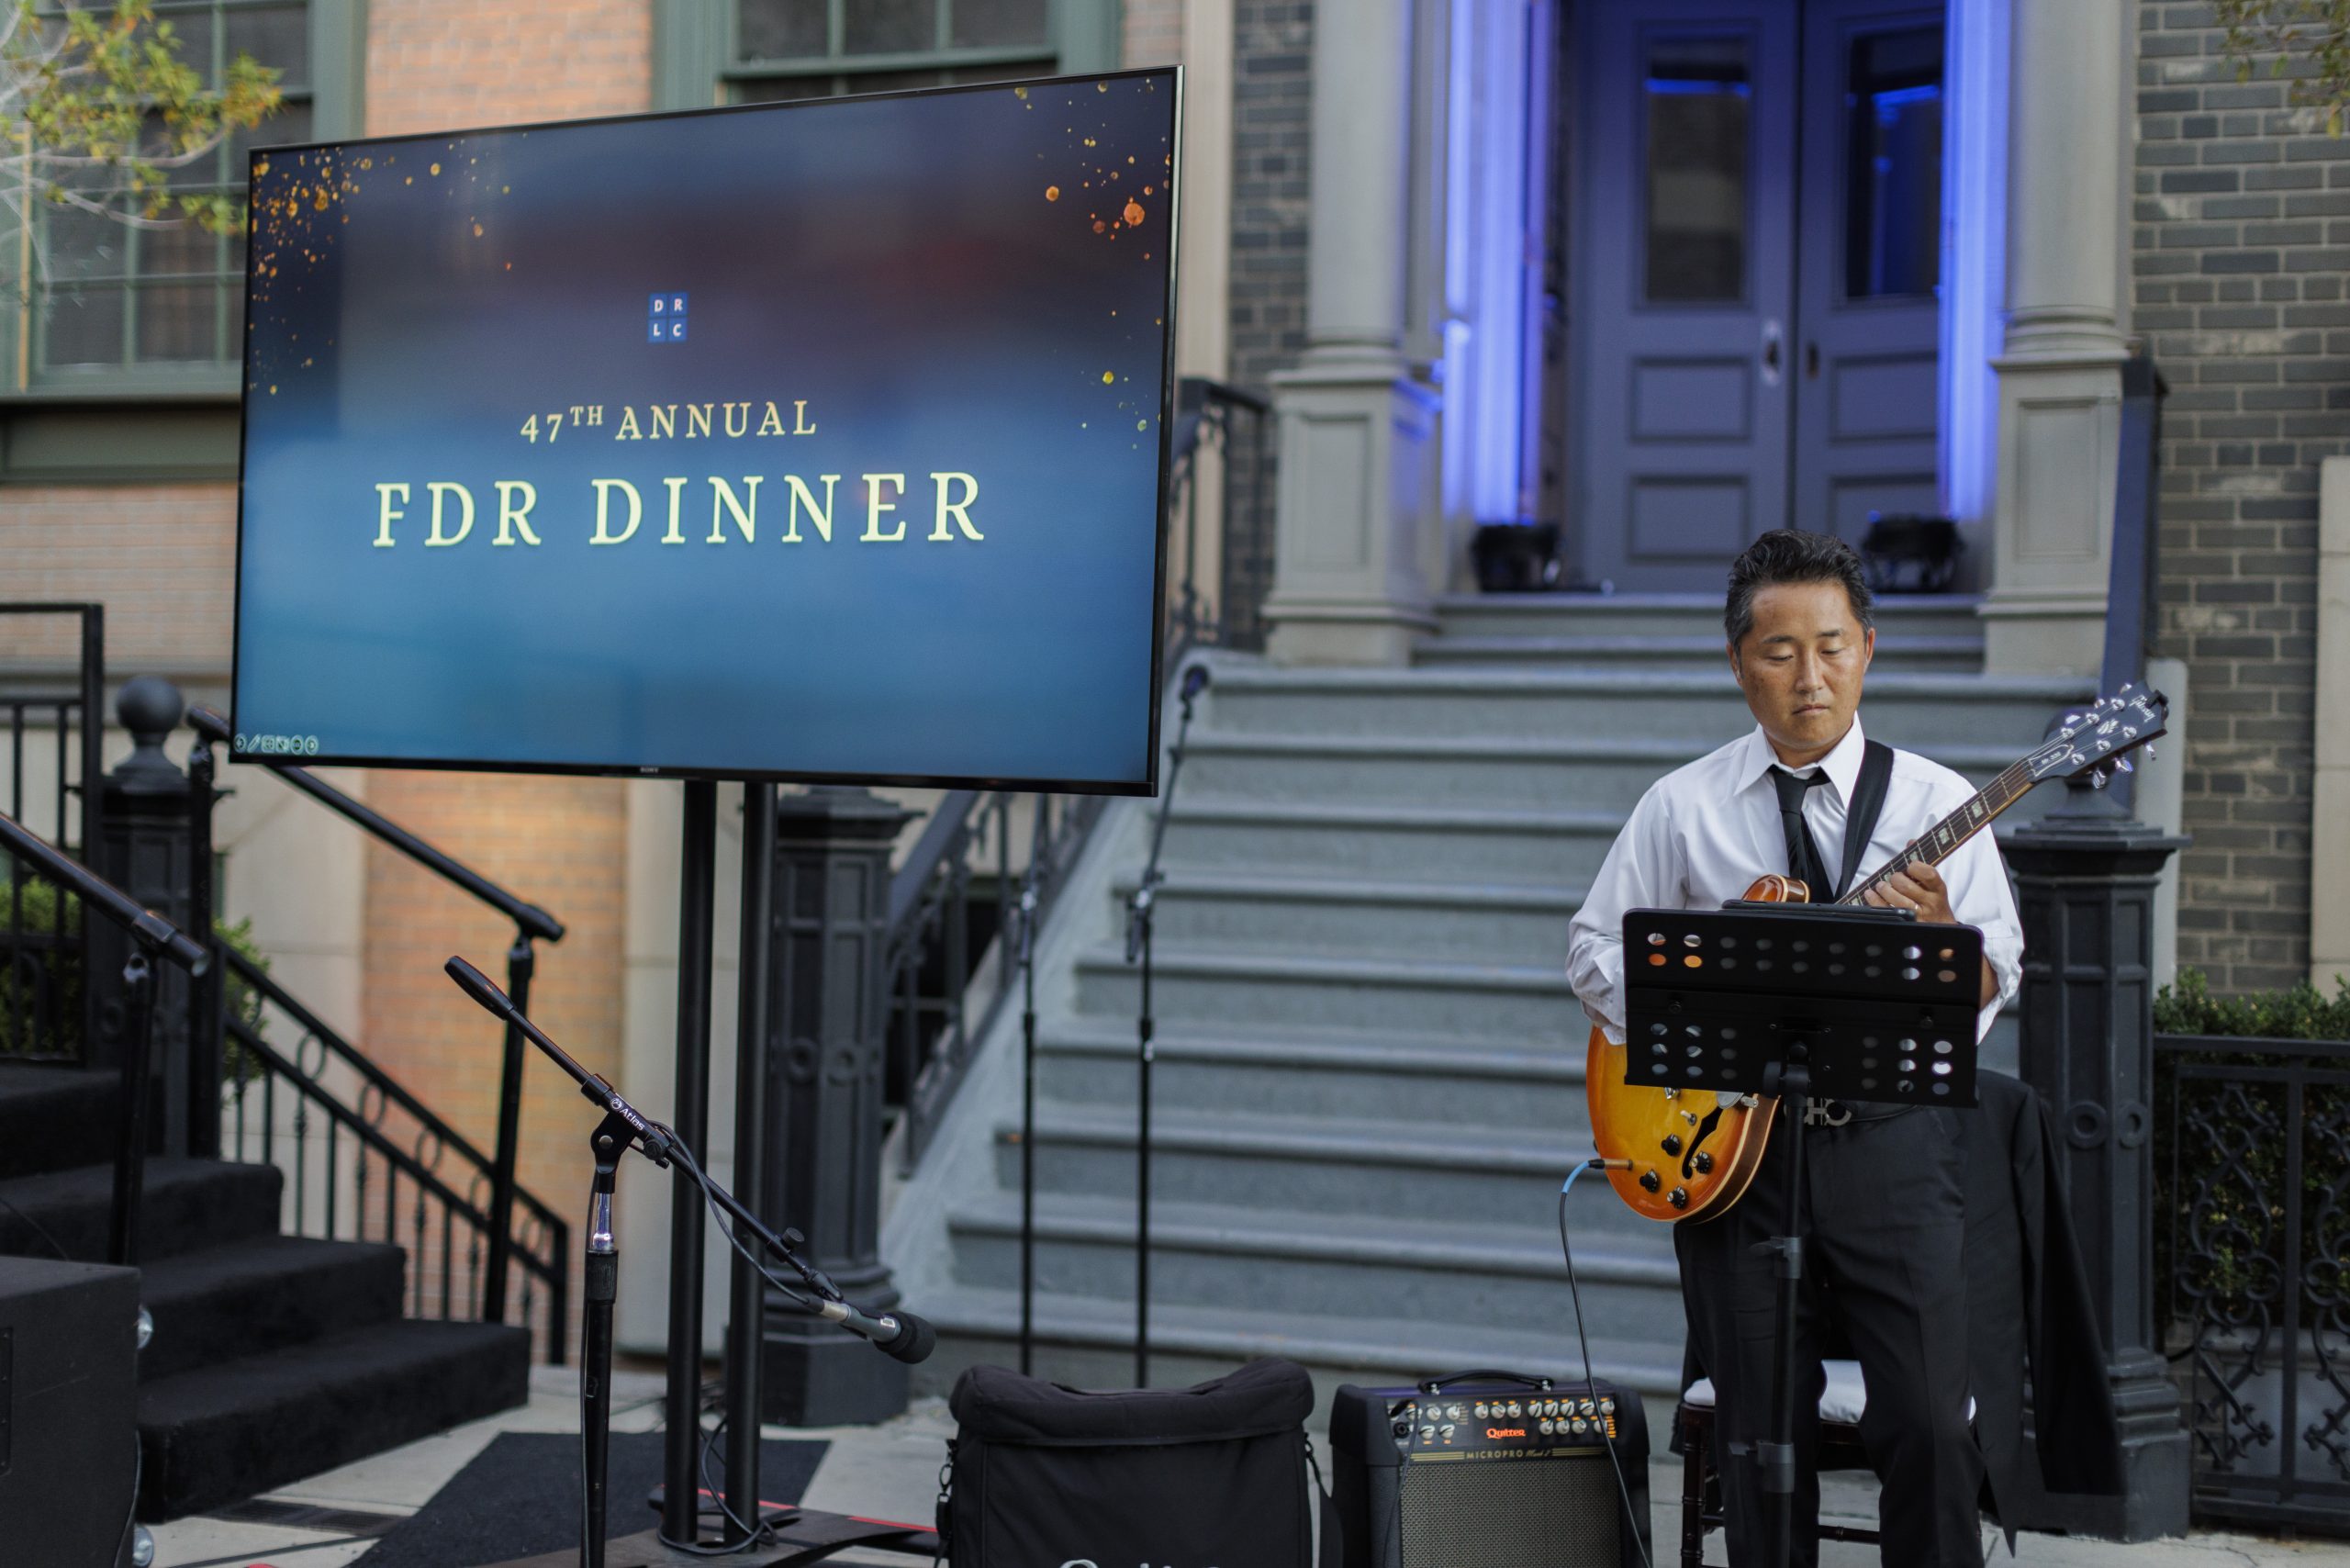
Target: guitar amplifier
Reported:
point(1484, 1467)
point(69, 1411)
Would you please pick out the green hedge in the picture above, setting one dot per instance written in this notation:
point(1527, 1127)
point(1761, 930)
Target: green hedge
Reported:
point(41, 903)
point(2188, 1007)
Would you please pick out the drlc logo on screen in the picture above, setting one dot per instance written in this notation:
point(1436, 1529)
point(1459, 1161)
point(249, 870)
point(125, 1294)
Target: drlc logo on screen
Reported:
point(664, 319)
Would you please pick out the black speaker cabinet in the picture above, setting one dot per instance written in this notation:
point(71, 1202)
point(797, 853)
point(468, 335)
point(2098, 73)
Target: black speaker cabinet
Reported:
point(69, 1407)
point(1489, 1468)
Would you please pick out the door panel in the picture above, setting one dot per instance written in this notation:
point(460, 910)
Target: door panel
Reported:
point(1867, 393)
point(1686, 285)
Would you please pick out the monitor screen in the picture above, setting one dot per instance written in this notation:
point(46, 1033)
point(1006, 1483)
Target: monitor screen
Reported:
point(820, 441)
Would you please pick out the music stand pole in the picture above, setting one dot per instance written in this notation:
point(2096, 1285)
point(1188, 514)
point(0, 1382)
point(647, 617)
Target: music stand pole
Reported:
point(1028, 1092)
point(1777, 1459)
point(681, 1461)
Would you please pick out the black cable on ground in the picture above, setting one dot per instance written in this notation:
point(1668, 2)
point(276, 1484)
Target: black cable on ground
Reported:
point(1615, 1459)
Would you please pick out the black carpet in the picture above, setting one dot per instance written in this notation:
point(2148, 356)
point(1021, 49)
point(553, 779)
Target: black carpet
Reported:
point(520, 1496)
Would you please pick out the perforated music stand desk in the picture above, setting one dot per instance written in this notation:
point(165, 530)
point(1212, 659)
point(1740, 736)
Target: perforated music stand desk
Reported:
point(1873, 1005)
point(1788, 1001)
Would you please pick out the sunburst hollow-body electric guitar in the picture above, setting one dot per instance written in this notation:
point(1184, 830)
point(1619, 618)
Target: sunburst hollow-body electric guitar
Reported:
point(1694, 1152)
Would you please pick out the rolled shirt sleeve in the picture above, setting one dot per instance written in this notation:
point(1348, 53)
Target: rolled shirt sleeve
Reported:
point(1642, 871)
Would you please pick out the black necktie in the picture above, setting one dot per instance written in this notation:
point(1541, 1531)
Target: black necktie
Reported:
point(1802, 853)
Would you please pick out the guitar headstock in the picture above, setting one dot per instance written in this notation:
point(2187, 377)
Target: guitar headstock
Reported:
point(2096, 741)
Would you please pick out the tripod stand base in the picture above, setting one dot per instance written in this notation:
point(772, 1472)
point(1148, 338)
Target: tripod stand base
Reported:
point(802, 1536)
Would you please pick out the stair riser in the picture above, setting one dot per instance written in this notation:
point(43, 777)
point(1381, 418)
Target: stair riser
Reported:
point(55, 1119)
point(323, 1297)
point(1187, 1083)
point(1959, 715)
point(1540, 859)
point(174, 1218)
point(1464, 1192)
point(1596, 618)
point(1112, 990)
point(1187, 916)
point(1533, 654)
point(1187, 1274)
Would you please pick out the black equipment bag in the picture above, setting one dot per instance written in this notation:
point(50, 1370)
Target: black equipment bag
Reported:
point(1211, 1476)
point(1484, 1467)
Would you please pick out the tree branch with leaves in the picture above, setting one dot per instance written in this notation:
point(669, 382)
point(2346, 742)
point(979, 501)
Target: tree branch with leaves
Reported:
point(2271, 35)
point(101, 112)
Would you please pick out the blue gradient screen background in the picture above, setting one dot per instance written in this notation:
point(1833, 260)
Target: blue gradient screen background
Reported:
point(973, 281)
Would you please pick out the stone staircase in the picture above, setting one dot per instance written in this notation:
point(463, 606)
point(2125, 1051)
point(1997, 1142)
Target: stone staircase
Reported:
point(1368, 1082)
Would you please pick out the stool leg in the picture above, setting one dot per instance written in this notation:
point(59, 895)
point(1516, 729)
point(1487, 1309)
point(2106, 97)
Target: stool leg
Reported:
point(1696, 1450)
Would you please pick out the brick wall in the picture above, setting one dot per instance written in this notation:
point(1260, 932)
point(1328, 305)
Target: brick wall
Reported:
point(442, 64)
point(2241, 217)
point(160, 557)
point(1152, 33)
point(1272, 107)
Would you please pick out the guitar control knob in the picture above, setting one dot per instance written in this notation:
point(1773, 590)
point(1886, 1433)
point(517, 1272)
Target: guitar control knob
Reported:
point(1673, 1143)
point(1649, 1180)
point(1702, 1163)
point(1678, 1197)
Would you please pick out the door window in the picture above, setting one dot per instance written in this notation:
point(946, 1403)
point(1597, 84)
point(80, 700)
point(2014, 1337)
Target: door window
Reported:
point(1698, 100)
point(1893, 182)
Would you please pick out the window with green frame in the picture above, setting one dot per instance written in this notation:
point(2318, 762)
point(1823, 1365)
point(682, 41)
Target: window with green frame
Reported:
point(776, 49)
point(117, 308)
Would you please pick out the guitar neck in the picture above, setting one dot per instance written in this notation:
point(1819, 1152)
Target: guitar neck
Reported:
point(1944, 837)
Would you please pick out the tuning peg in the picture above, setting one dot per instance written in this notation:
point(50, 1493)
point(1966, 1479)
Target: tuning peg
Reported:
point(2124, 764)
point(2099, 777)
point(2150, 751)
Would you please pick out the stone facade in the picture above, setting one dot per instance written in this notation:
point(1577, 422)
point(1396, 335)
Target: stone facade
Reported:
point(2241, 213)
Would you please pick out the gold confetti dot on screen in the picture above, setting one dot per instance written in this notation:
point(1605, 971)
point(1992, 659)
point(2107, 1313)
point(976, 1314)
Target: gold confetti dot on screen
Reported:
point(476, 230)
point(436, 168)
point(1133, 214)
point(1052, 193)
point(1142, 424)
point(1101, 86)
point(1108, 377)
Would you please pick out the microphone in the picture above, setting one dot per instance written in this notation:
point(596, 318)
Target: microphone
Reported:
point(478, 985)
point(1195, 680)
point(897, 1335)
point(652, 1139)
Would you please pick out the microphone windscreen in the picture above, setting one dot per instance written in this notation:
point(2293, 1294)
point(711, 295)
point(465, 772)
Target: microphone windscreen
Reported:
point(476, 984)
point(917, 1338)
point(1195, 680)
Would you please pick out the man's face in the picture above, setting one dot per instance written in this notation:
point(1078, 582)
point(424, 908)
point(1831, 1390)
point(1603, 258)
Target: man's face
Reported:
point(1801, 665)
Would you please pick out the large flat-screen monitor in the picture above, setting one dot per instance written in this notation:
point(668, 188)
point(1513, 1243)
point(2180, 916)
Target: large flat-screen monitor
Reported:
point(822, 441)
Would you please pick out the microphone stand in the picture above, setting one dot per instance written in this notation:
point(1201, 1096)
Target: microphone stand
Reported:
point(1139, 919)
point(625, 1128)
point(1027, 961)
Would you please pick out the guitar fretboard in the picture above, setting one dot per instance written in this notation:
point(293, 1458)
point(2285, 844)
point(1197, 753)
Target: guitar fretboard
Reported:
point(1954, 829)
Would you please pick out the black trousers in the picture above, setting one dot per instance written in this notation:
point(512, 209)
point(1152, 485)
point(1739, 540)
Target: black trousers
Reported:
point(1883, 1218)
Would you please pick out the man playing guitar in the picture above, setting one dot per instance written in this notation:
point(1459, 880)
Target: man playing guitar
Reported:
point(1882, 1212)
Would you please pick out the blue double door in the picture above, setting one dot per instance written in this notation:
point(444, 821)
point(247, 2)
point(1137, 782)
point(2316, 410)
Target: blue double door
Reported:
point(1756, 239)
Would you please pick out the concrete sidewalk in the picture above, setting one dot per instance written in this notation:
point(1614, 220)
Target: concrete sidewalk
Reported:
point(892, 1471)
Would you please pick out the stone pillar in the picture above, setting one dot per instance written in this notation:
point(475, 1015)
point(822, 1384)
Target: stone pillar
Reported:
point(2060, 375)
point(1357, 426)
point(145, 848)
point(822, 1163)
point(2086, 877)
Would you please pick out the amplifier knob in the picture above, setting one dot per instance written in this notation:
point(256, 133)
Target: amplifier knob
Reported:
point(1514, 1409)
point(1446, 1430)
point(1480, 1412)
point(1703, 1160)
point(1550, 1408)
point(1678, 1197)
point(1608, 1405)
point(1673, 1143)
point(1650, 1181)
point(1591, 1409)
point(1457, 1412)
point(1546, 1429)
point(1427, 1433)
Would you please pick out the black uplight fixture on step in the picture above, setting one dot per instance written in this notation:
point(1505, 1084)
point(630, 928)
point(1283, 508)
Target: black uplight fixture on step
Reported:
point(1519, 555)
point(1908, 553)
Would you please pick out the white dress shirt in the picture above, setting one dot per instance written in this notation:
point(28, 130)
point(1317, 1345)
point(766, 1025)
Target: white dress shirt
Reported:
point(1704, 832)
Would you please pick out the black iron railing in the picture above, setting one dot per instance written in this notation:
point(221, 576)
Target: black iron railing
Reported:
point(532, 923)
point(365, 1161)
point(948, 970)
point(1207, 415)
point(53, 751)
point(2257, 1179)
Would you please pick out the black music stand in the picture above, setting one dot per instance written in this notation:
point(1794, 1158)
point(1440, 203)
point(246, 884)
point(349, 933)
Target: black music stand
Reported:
point(1787, 1001)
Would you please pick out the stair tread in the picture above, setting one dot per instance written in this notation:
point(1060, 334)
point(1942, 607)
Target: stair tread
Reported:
point(1515, 1148)
point(252, 1384)
point(1088, 1034)
point(1172, 958)
point(1694, 645)
point(81, 1198)
point(1307, 1233)
point(1667, 753)
point(1888, 606)
point(1613, 681)
point(1369, 1343)
point(1465, 819)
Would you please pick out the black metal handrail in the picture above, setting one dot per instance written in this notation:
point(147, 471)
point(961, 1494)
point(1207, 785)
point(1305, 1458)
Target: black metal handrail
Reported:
point(2257, 1185)
point(318, 1175)
point(935, 1021)
point(1204, 412)
point(531, 924)
point(152, 936)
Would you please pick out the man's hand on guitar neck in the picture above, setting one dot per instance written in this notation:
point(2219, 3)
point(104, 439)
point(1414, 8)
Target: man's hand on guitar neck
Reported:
point(1919, 887)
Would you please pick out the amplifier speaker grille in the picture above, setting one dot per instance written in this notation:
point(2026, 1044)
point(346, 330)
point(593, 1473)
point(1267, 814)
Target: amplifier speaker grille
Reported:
point(1553, 1510)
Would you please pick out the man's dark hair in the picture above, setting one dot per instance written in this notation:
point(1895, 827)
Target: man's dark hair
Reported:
point(1791, 556)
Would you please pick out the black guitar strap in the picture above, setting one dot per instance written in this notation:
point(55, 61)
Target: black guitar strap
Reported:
point(1868, 802)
